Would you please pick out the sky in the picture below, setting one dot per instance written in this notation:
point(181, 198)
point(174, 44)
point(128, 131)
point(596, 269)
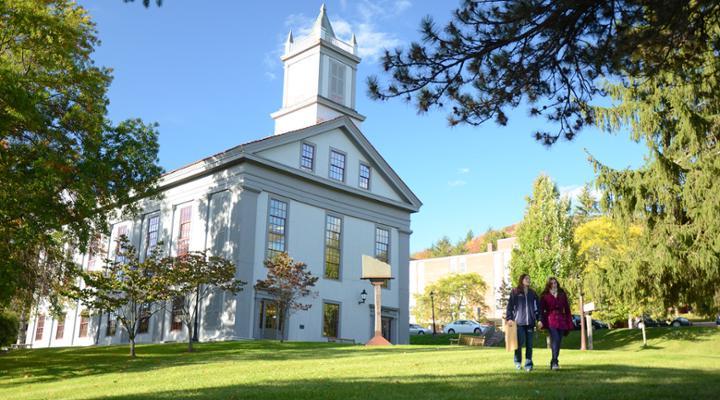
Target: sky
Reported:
point(209, 73)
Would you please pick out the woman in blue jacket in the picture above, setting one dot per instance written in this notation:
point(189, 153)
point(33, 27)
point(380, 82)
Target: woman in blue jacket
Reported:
point(523, 308)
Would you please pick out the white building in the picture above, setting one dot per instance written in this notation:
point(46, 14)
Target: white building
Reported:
point(493, 266)
point(316, 189)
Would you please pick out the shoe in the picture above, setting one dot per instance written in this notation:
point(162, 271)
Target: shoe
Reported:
point(528, 365)
point(518, 366)
point(554, 367)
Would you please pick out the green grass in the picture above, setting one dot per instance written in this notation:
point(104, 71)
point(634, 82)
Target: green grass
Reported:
point(681, 362)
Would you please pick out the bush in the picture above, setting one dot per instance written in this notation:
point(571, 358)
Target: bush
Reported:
point(9, 323)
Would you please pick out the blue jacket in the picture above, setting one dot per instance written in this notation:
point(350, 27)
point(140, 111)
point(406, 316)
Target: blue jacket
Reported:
point(522, 309)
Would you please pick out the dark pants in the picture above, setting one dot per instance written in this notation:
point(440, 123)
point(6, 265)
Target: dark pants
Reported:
point(556, 336)
point(525, 338)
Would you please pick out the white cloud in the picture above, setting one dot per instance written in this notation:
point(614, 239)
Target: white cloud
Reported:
point(463, 170)
point(457, 183)
point(573, 192)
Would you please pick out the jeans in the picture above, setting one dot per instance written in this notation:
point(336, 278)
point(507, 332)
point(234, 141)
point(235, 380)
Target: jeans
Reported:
point(525, 338)
point(556, 336)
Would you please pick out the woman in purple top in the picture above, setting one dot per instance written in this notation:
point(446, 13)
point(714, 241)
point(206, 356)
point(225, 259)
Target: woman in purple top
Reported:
point(555, 316)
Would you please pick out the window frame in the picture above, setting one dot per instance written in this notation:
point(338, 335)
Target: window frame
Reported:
point(330, 164)
point(339, 318)
point(60, 330)
point(84, 325)
point(110, 325)
point(182, 246)
point(329, 215)
point(177, 313)
point(369, 176)
point(40, 327)
point(146, 241)
point(269, 253)
point(385, 285)
point(144, 320)
point(313, 161)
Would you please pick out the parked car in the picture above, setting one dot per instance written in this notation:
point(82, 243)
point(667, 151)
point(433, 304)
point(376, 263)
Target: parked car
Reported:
point(465, 326)
point(680, 321)
point(649, 322)
point(416, 329)
point(595, 323)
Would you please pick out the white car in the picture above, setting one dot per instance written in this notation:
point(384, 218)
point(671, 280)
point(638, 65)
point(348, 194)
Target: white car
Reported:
point(416, 329)
point(465, 326)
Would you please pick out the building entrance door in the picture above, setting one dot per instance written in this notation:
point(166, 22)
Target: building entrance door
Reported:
point(269, 323)
point(387, 328)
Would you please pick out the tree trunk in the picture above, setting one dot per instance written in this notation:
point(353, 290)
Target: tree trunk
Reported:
point(281, 322)
point(132, 347)
point(22, 329)
point(583, 342)
point(190, 327)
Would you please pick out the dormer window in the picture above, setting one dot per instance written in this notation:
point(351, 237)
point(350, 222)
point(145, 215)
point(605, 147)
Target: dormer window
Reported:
point(307, 157)
point(364, 178)
point(337, 166)
point(337, 81)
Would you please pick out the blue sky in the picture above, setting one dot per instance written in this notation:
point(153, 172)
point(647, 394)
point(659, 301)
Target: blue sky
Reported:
point(209, 73)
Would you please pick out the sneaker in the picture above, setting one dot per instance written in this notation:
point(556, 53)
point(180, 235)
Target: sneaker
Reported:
point(528, 365)
point(518, 366)
point(554, 367)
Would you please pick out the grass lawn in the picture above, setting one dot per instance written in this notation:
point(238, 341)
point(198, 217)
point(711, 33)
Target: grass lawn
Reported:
point(678, 363)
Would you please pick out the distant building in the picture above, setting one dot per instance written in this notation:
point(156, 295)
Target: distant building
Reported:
point(316, 189)
point(492, 265)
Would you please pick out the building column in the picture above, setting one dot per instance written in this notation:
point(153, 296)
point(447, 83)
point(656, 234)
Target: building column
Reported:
point(244, 216)
point(403, 287)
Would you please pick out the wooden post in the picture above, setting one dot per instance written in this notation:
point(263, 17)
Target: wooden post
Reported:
point(589, 332)
point(583, 345)
point(378, 339)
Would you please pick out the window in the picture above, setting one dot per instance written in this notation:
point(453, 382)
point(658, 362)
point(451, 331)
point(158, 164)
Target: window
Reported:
point(331, 319)
point(277, 225)
point(183, 245)
point(60, 327)
point(144, 322)
point(337, 166)
point(40, 327)
point(151, 237)
point(177, 312)
point(364, 180)
point(382, 247)
point(307, 157)
point(111, 327)
point(121, 231)
point(333, 230)
point(84, 321)
point(337, 81)
point(93, 251)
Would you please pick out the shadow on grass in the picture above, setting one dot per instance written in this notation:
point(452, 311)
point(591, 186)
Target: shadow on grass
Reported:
point(46, 365)
point(631, 339)
point(586, 382)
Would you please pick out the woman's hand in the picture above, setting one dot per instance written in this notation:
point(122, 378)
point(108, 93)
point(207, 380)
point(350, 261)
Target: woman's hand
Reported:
point(540, 325)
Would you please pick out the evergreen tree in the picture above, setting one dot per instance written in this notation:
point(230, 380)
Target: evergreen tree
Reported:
point(545, 244)
point(675, 195)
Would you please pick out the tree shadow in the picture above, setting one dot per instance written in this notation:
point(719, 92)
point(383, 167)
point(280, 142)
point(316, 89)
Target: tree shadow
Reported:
point(596, 381)
point(25, 367)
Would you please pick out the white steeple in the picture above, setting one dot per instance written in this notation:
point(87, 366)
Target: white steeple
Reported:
point(320, 75)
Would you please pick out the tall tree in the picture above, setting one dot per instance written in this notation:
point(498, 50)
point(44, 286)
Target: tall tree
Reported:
point(497, 54)
point(288, 282)
point(62, 161)
point(192, 278)
point(133, 290)
point(587, 206)
point(545, 244)
point(674, 196)
point(455, 296)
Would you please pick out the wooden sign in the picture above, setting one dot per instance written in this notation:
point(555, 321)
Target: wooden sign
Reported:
point(372, 268)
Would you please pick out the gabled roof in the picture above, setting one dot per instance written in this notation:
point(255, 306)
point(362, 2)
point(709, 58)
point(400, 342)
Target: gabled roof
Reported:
point(251, 149)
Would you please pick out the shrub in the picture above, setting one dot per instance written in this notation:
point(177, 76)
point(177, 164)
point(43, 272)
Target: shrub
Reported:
point(9, 323)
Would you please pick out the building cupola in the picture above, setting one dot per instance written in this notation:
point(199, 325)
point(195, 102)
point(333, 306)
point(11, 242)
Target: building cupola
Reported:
point(320, 73)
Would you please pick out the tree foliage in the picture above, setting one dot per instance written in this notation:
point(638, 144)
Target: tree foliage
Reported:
point(62, 161)
point(195, 276)
point(545, 244)
point(674, 196)
point(288, 282)
point(456, 296)
point(130, 288)
point(496, 55)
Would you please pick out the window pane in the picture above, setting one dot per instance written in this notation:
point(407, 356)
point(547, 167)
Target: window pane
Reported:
point(364, 181)
point(337, 166)
point(40, 327)
point(277, 220)
point(382, 247)
point(331, 319)
point(307, 159)
point(183, 246)
point(60, 327)
point(333, 227)
point(152, 233)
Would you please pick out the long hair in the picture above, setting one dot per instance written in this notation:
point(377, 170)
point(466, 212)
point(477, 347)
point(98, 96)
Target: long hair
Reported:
point(519, 287)
point(548, 286)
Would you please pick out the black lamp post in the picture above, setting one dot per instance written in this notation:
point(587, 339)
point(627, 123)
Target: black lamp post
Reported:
point(363, 297)
point(432, 305)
